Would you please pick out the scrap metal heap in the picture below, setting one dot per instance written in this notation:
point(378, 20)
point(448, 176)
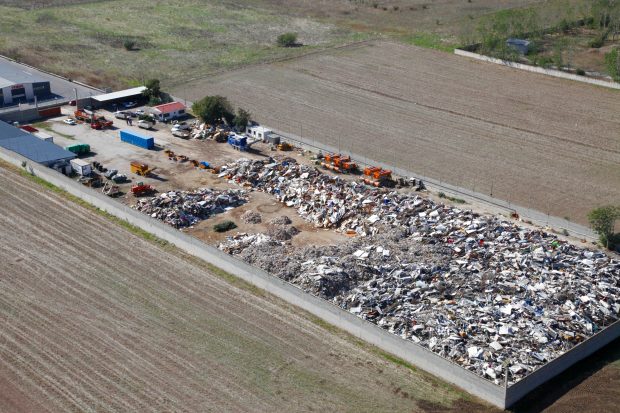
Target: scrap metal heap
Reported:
point(485, 293)
point(185, 208)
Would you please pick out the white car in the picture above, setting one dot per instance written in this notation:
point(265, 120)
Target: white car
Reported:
point(139, 112)
point(180, 126)
point(69, 121)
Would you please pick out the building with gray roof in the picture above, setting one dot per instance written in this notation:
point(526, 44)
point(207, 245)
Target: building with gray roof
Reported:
point(31, 147)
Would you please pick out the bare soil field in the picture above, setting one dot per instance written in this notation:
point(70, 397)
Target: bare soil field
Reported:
point(93, 318)
point(536, 141)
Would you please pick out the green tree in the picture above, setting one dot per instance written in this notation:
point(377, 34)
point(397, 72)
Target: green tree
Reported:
point(242, 118)
point(612, 60)
point(153, 88)
point(212, 109)
point(603, 221)
point(287, 39)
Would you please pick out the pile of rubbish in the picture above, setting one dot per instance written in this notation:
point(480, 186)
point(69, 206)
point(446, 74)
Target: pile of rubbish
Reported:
point(281, 220)
point(496, 298)
point(251, 217)
point(182, 209)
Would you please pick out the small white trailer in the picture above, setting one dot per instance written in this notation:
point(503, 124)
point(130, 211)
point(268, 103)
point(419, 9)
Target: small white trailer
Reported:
point(81, 167)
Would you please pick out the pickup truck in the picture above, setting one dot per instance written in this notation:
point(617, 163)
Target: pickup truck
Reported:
point(145, 124)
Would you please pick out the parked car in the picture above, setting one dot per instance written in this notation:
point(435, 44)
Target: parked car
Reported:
point(69, 121)
point(139, 112)
point(121, 115)
point(129, 105)
point(145, 124)
point(180, 133)
point(180, 126)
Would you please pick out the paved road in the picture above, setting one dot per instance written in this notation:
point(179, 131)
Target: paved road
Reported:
point(60, 86)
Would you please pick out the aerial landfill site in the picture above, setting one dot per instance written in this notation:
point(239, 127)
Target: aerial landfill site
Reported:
point(496, 298)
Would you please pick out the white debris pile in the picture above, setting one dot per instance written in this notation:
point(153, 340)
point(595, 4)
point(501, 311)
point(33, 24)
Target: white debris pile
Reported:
point(185, 208)
point(483, 292)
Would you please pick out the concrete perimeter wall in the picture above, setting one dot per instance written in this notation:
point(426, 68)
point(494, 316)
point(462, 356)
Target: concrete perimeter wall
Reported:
point(405, 349)
point(536, 69)
point(557, 366)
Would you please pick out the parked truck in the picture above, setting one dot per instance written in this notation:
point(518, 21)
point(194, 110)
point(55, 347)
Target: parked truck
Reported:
point(137, 139)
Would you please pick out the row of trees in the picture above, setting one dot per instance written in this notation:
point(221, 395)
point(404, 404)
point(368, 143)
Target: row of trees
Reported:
point(492, 31)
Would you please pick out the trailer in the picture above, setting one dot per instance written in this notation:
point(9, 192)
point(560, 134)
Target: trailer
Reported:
point(137, 139)
point(81, 167)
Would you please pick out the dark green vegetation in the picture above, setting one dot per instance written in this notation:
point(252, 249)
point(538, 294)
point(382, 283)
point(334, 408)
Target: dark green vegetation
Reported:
point(603, 222)
point(287, 40)
point(562, 41)
point(212, 109)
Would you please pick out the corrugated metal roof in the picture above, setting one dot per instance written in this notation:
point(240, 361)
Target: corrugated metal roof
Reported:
point(169, 107)
point(31, 147)
point(127, 93)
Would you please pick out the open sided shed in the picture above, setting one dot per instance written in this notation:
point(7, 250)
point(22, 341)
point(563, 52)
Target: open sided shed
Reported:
point(118, 97)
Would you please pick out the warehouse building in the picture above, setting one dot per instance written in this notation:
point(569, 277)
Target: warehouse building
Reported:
point(21, 87)
point(33, 148)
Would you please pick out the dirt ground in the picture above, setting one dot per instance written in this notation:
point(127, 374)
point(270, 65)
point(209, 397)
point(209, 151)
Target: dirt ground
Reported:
point(174, 176)
point(536, 141)
point(96, 319)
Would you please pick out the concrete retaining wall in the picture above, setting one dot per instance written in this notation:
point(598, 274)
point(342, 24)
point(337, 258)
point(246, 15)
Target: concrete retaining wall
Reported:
point(405, 349)
point(557, 366)
point(536, 69)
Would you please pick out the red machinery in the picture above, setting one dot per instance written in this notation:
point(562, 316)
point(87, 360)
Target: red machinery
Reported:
point(141, 189)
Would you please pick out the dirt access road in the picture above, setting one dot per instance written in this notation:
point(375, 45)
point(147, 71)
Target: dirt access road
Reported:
point(93, 318)
point(541, 142)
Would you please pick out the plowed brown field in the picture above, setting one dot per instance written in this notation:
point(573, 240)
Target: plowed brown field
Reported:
point(93, 318)
point(541, 142)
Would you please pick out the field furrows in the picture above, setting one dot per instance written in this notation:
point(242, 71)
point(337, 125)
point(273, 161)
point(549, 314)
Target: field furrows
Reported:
point(537, 141)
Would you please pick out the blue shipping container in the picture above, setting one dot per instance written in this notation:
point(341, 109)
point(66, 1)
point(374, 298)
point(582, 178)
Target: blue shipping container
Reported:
point(134, 138)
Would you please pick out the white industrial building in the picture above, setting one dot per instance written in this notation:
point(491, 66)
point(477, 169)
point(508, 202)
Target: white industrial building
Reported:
point(20, 87)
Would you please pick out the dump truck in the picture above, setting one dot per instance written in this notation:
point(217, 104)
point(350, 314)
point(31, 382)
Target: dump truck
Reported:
point(140, 168)
point(84, 115)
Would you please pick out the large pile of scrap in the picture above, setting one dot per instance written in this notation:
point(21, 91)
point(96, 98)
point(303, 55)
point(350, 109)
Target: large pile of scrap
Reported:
point(485, 293)
point(185, 208)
